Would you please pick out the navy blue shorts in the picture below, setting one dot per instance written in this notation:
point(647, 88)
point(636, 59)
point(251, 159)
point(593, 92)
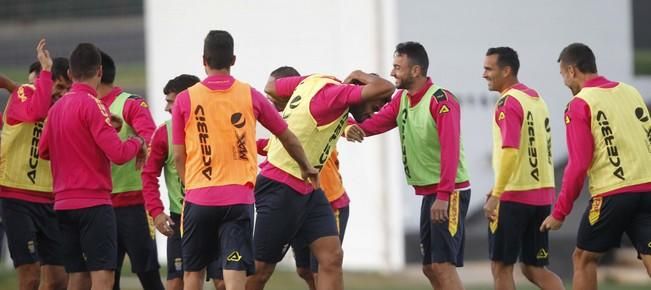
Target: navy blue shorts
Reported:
point(284, 214)
point(89, 238)
point(220, 233)
point(516, 233)
point(175, 255)
point(32, 232)
point(302, 254)
point(136, 238)
point(444, 242)
point(607, 219)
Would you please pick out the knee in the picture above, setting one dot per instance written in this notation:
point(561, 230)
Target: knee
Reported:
point(332, 261)
point(305, 273)
point(500, 269)
point(582, 257)
point(530, 272)
point(441, 269)
point(263, 272)
point(428, 272)
point(219, 284)
point(32, 282)
point(59, 284)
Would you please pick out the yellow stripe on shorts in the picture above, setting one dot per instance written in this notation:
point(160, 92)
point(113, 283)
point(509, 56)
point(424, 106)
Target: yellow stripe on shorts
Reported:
point(453, 213)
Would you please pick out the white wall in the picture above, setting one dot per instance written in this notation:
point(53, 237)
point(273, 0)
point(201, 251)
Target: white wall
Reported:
point(332, 37)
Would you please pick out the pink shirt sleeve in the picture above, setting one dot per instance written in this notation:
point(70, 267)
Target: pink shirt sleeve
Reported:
point(44, 143)
point(105, 136)
point(261, 145)
point(447, 115)
point(152, 170)
point(333, 100)
point(266, 114)
point(509, 118)
point(285, 86)
point(136, 114)
point(384, 120)
point(180, 115)
point(31, 105)
point(580, 148)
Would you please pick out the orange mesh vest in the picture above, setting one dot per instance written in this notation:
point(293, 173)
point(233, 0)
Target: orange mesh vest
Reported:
point(220, 137)
point(330, 178)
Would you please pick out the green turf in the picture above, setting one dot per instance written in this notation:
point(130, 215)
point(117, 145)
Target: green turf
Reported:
point(284, 280)
point(643, 62)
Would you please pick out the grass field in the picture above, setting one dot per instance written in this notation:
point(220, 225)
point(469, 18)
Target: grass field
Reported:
point(643, 62)
point(284, 280)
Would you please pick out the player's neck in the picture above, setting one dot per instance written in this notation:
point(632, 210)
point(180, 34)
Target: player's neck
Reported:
point(508, 84)
point(417, 85)
point(218, 72)
point(103, 90)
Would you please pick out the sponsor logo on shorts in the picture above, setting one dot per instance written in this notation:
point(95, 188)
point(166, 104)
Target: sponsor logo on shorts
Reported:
point(31, 247)
point(453, 213)
point(234, 257)
point(611, 147)
point(178, 264)
point(649, 245)
point(422, 249)
point(542, 254)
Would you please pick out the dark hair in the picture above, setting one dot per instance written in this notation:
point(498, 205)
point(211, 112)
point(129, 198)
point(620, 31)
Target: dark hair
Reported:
point(218, 49)
point(85, 60)
point(35, 67)
point(581, 56)
point(108, 68)
point(60, 68)
point(180, 83)
point(506, 56)
point(416, 54)
point(284, 71)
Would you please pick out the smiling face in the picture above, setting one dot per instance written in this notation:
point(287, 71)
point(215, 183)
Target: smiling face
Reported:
point(494, 74)
point(403, 71)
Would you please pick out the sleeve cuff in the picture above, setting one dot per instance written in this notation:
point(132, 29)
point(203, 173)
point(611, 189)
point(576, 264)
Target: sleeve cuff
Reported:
point(155, 212)
point(443, 195)
point(558, 215)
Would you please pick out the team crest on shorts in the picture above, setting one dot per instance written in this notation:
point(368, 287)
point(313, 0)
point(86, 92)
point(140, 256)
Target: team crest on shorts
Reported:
point(178, 264)
point(595, 210)
point(31, 247)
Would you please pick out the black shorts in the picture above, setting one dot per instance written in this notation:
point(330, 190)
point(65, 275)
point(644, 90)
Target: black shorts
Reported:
point(89, 238)
point(221, 233)
point(136, 238)
point(516, 233)
point(284, 214)
point(32, 232)
point(302, 255)
point(607, 218)
point(444, 242)
point(175, 256)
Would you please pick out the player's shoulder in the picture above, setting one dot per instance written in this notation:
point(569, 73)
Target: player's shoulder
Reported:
point(137, 100)
point(24, 91)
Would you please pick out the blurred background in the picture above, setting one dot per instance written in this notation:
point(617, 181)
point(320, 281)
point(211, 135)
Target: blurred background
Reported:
point(152, 41)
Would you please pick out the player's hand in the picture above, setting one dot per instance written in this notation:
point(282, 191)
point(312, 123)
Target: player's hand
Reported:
point(116, 122)
point(550, 223)
point(490, 207)
point(354, 133)
point(43, 55)
point(164, 224)
point(142, 154)
point(311, 175)
point(439, 211)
